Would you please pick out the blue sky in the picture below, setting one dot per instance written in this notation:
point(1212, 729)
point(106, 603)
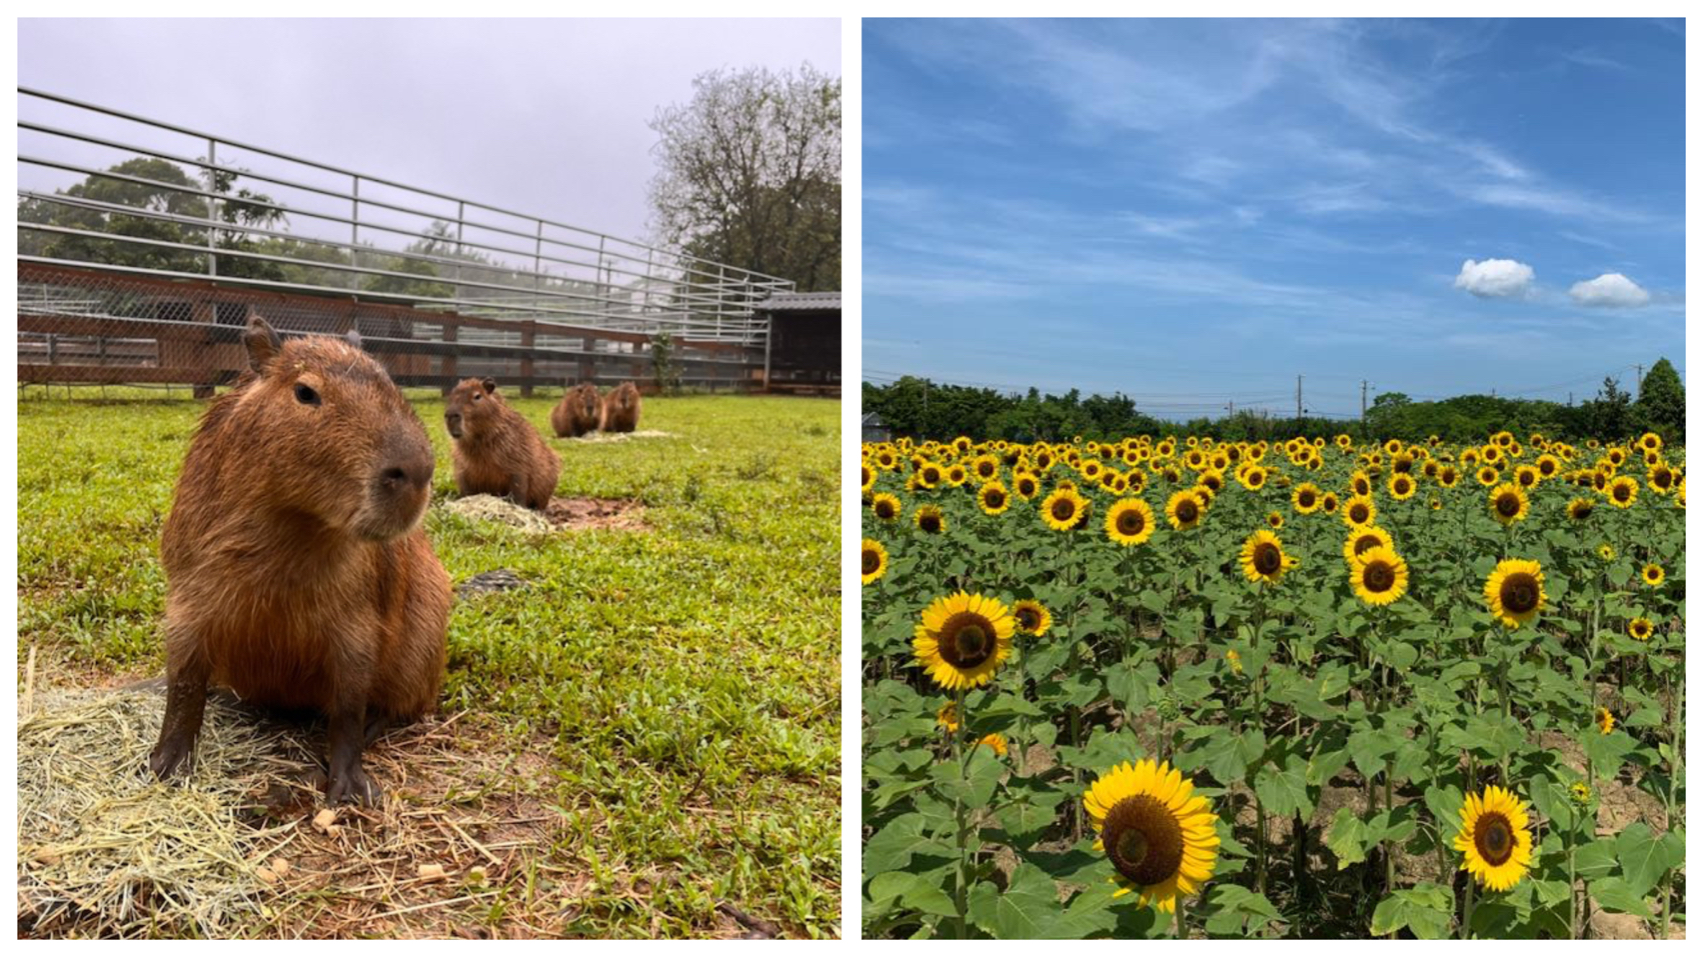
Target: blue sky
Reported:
point(1193, 212)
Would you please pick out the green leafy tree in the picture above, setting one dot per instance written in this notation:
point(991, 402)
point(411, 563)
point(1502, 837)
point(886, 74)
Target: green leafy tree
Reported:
point(750, 173)
point(1662, 406)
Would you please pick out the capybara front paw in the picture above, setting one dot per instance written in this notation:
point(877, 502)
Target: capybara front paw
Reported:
point(351, 785)
point(168, 756)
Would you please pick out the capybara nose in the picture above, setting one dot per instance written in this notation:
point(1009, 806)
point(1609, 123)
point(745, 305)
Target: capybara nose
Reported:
point(401, 476)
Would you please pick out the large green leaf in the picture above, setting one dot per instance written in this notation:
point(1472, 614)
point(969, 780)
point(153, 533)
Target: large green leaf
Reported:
point(1425, 909)
point(901, 839)
point(1645, 857)
point(1027, 910)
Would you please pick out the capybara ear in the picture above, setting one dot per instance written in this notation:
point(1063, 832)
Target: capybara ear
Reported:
point(490, 385)
point(353, 338)
point(262, 342)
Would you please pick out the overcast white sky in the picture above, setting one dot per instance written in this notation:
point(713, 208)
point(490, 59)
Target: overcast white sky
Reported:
point(546, 117)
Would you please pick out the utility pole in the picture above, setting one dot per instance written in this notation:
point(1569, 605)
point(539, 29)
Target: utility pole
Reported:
point(1300, 401)
point(1229, 409)
point(1572, 398)
point(1365, 400)
point(1638, 371)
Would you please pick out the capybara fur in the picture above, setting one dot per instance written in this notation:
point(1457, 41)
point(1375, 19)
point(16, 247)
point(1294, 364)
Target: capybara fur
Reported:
point(496, 450)
point(579, 412)
point(297, 571)
point(622, 409)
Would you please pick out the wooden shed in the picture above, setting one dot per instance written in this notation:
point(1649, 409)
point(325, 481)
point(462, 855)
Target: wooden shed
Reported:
point(805, 343)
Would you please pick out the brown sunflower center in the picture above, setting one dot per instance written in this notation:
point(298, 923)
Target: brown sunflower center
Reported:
point(1622, 491)
point(1359, 512)
point(1520, 593)
point(885, 510)
point(1267, 559)
point(870, 560)
point(1581, 509)
point(1063, 509)
point(1378, 576)
point(1495, 841)
point(1305, 498)
point(1401, 485)
point(1144, 840)
point(1027, 617)
point(1508, 504)
point(1662, 478)
point(967, 640)
point(994, 498)
point(1367, 541)
point(1186, 511)
point(1129, 522)
point(931, 475)
point(930, 523)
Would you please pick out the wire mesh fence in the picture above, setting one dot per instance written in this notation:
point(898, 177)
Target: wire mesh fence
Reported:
point(144, 247)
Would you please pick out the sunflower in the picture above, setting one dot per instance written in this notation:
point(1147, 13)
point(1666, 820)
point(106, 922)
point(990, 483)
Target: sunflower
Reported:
point(1184, 510)
point(867, 477)
point(1379, 576)
point(928, 475)
point(1158, 834)
point(1603, 719)
point(1253, 477)
point(1580, 792)
point(1363, 539)
point(1487, 476)
point(1130, 522)
point(957, 475)
point(1402, 486)
point(1640, 628)
point(1263, 558)
point(929, 519)
point(1516, 592)
point(1306, 498)
point(963, 639)
point(1508, 502)
point(1580, 509)
point(885, 506)
point(1622, 492)
point(1653, 575)
point(986, 467)
point(1607, 552)
point(1025, 485)
point(873, 561)
point(1276, 519)
point(1447, 476)
point(948, 717)
point(1064, 508)
point(1527, 476)
point(993, 498)
point(1494, 838)
point(1032, 617)
point(993, 741)
point(1359, 512)
point(1235, 662)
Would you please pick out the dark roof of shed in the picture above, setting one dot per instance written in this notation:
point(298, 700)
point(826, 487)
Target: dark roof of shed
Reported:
point(800, 302)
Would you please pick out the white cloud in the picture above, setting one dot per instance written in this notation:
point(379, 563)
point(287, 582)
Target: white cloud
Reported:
point(1495, 278)
point(1609, 290)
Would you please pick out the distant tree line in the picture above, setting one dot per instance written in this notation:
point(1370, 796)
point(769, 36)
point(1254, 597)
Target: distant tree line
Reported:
point(919, 408)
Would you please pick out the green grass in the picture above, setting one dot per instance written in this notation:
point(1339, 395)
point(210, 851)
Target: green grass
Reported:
point(682, 683)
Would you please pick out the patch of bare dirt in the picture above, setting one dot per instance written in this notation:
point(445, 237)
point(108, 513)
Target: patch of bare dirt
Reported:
point(591, 513)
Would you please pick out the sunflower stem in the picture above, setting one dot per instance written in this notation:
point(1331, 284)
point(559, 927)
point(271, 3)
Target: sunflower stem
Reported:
point(1468, 908)
point(960, 815)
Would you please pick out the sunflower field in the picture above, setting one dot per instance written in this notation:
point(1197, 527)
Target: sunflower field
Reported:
point(1178, 687)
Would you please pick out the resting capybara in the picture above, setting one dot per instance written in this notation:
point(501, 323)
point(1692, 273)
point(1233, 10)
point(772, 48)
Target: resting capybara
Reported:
point(578, 413)
point(497, 451)
point(622, 409)
point(297, 571)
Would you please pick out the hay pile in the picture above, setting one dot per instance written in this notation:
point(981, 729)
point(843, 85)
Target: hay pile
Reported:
point(602, 437)
point(484, 506)
point(105, 851)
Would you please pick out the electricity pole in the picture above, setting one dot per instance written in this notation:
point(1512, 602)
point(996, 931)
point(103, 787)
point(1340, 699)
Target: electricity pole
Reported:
point(1300, 401)
point(1365, 401)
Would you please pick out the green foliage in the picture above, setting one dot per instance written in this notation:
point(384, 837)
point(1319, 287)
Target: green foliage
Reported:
point(750, 173)
point(669, 692)
point(1334, 739)
point(916, 407)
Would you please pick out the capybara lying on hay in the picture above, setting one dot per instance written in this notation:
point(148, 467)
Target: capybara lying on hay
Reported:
point(578, 413)
point(496, 450)
point(297, 571)
point(622, 409)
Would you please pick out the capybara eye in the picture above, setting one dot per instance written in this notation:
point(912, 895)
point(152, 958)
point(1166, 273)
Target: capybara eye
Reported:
point(306, 394)
point(479, 396)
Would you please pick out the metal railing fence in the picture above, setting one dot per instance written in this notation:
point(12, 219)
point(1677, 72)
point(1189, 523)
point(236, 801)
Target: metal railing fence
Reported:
point(105, 190)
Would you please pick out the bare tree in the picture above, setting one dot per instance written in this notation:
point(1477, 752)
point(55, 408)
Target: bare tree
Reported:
point(750, 173)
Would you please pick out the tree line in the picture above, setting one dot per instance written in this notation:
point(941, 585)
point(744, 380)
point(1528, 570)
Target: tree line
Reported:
point(919, 408)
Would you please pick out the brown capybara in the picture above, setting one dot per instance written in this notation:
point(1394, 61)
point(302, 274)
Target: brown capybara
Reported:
point(496, 450)
point(622, 409)
point(297, 571)
point(578, 413)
